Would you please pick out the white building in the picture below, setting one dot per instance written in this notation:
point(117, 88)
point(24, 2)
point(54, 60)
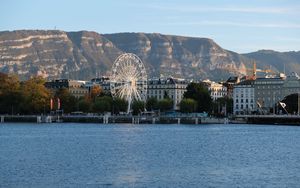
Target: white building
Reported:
point(243, 97)
point(174, 88)
point(216, 90)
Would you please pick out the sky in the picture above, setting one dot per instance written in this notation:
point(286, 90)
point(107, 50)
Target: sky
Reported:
point(238, 25)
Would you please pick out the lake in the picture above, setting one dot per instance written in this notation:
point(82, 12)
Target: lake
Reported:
point(125, 155)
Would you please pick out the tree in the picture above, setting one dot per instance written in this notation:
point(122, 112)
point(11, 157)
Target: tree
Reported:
point(102, 104)
point(137, 107)
point(119, 105)
point(67, 100)
point(222, 106)
point(36, 95)
point(84, 105)
point(152, 104)
point(165, 105)
point(199, 93)
point(10, 94)
point(188, 105)
point(96, 91)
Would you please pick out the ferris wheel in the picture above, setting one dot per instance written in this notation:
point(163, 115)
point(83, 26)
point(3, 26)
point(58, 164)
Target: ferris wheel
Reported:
point(129, 79)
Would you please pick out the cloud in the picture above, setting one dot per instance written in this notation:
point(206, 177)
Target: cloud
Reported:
point(237, 24)
point(272, 10)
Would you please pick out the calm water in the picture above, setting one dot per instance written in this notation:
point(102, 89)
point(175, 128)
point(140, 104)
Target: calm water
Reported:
point(90, 155)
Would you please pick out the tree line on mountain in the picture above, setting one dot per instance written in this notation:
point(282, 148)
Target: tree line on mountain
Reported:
point(32, 97)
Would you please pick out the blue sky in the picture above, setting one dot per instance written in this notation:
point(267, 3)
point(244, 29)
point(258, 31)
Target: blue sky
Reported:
point(240, 25)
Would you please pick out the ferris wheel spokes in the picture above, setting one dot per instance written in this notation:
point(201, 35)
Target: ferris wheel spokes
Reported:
point(129, 78)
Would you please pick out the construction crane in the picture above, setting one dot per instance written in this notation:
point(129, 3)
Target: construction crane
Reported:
point(254, 71)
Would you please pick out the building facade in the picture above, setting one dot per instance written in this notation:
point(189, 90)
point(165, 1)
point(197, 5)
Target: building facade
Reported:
point(76, 87)
point(103, 82)
point(268, 92)
point(216, 90)
point(243, 97)
point(172, 88)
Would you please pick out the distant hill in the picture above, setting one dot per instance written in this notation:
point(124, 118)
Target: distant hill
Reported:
point(290, 61)
point(85, 54)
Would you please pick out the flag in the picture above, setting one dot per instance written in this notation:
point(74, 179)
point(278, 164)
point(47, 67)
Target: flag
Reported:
point(282, 104)
point(58, 103)
point(258, 104)
point(51, 104)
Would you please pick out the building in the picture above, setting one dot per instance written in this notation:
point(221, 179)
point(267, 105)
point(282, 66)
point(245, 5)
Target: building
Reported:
point(76, 87)
point(229, 84)
point(170, 87)
point(216, 90)
point(268, 92)
point(243, 97)
point(103, 82)
point(291, 84)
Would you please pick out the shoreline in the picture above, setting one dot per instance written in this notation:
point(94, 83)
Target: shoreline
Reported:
point(106, 119)
point(112, 119)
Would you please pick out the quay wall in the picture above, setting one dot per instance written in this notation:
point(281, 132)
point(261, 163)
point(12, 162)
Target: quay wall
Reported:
point(113, 119)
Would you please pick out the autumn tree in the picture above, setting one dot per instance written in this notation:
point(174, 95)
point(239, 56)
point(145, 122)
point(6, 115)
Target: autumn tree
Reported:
point(36, 96)
point(96, 91)
point(10, 94)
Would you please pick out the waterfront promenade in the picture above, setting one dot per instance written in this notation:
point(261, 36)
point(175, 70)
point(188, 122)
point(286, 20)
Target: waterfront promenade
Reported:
point(106, 119)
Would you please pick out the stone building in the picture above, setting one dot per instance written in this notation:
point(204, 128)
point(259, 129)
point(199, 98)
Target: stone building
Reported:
point(173, 88)
point(243, 97)
point(76, 87)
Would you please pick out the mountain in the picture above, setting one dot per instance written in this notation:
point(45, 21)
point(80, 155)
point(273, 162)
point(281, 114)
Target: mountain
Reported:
point(85, 54)
point(278, 61)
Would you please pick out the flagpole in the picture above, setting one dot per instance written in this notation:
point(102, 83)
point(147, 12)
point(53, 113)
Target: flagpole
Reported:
point(298, 104)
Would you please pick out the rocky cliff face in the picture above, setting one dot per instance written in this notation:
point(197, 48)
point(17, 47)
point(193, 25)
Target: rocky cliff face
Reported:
point(82, 55)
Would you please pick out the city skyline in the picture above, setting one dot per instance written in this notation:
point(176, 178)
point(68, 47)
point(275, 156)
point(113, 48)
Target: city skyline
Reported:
point(238, 26)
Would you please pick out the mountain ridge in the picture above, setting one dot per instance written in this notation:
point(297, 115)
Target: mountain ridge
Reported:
point(85, 54)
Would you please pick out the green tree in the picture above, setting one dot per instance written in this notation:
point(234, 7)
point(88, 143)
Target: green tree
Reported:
point(84, 105)
point(222, 106)
point(188, 105)
point(102, 104)
point(67, 100)
point(199, 93)
point(152, 104)
point(137, 107)
point(165, 105)
point(36, 95)
point(119, 105)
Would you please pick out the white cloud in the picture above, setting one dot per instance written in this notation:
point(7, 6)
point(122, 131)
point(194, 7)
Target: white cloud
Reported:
point(237, 24)
point(273, 10)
